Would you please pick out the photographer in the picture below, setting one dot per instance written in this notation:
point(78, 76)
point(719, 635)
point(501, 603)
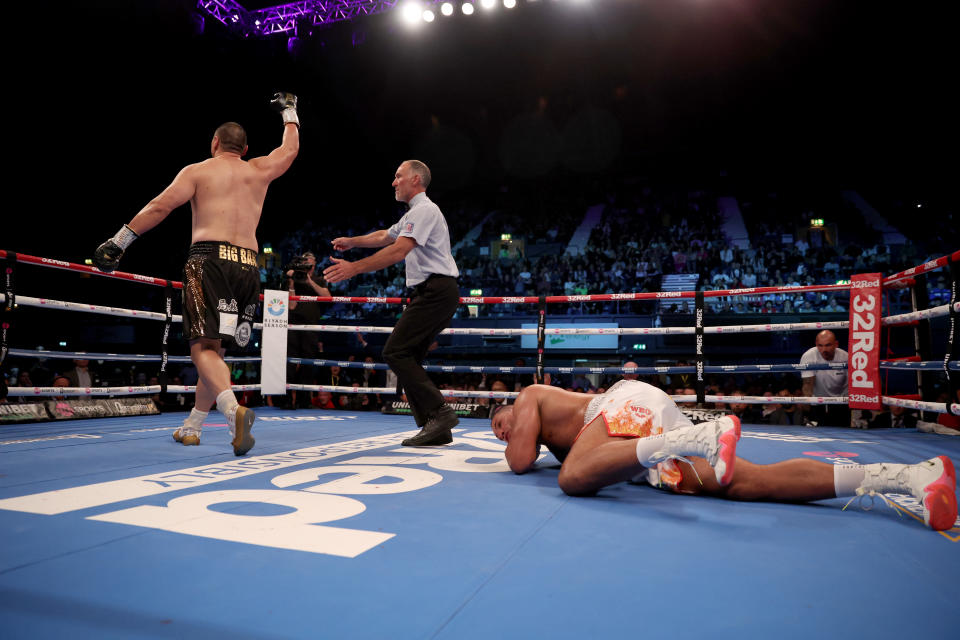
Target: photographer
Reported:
point(301, 279)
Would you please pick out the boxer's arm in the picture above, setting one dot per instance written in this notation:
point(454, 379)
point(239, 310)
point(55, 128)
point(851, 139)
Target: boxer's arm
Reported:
point(523, 447)
point(179, 192)
point(275, 164)
point(107, 256)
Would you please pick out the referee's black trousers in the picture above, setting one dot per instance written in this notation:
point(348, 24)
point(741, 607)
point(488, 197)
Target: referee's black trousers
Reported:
point(432, 306)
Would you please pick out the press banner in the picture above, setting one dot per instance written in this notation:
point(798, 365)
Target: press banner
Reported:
point(73, 408)
point(863, 365)
point(273, 366)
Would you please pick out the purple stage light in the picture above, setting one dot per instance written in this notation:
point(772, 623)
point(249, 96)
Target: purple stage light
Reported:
point(284, 18)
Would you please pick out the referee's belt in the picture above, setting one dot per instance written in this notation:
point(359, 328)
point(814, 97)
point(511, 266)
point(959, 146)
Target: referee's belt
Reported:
point(417, 289)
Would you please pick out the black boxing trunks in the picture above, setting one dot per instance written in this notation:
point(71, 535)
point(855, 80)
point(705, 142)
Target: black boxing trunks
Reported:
point(221, 289)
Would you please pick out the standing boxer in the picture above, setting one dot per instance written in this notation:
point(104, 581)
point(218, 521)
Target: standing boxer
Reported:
point(221, 282)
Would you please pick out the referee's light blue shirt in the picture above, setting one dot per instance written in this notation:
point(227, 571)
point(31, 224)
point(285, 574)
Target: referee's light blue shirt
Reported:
point(426, 225)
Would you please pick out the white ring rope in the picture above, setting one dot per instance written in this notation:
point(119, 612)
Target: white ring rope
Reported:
point(763, 399)
point(935, 407)
point(27, 301)
point(113, 391)
point(923, 314)
point(589, 331)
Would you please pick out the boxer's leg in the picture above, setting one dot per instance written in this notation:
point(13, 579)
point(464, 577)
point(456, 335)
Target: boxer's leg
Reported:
point(207, 355)
point(597, 460)
point(795, 480)
point(214, 372)
point(189, 432)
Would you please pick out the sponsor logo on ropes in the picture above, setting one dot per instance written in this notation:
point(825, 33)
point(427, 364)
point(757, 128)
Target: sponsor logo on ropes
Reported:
point(577, 298)
point(623, 296)
point(669, 294)
point(514, 299)
point(747, 290)
point(57, 262)
point(471, 300)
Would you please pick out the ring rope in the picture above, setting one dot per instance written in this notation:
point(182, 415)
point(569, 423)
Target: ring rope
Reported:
point(933, 312)
point(350, 364)
point(606, 297)
point(923, 268)
point(133, 357)
point(936, 407)
point(892, 320)
point(621, 331)
point(772, 368)
point(929, 365)
point(28, 301)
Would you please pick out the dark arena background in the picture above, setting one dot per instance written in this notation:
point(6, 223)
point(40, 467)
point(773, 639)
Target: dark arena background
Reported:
point(691, 193)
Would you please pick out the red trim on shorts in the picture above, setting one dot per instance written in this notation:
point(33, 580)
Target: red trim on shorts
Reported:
point(599, 415)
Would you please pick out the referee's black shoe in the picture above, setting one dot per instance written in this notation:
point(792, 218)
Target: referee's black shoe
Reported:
point(437, 430)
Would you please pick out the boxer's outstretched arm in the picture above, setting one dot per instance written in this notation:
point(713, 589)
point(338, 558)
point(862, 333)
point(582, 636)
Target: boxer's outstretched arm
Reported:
point(179, 192)
point(276, 164)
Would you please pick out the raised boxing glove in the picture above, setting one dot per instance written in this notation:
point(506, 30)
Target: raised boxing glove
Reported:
point(286, 104)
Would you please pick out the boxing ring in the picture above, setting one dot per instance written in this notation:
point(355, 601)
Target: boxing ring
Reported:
point(329, 528)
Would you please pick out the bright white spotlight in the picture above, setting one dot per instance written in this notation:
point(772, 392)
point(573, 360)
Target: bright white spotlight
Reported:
point(467, 9)
point(509, 4)
point(412, 12)
point(446, 9)
point(488, 4)
point(428, 16)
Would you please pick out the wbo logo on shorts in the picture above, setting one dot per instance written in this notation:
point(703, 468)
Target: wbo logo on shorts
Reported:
point(275, 307)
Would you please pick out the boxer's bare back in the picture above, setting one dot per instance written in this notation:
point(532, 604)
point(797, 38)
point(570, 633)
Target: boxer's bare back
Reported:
point(226, 193)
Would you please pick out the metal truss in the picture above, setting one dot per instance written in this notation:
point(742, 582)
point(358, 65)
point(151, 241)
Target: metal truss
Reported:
point(287, 18)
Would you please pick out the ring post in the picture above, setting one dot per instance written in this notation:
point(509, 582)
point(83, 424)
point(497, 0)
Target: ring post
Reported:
point(6, 312)
point(699, 311)
point(168, 308)
point(953, 343)
point(541, 335)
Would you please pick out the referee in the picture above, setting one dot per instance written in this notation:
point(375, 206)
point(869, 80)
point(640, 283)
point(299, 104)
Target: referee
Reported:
point(422, 239)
